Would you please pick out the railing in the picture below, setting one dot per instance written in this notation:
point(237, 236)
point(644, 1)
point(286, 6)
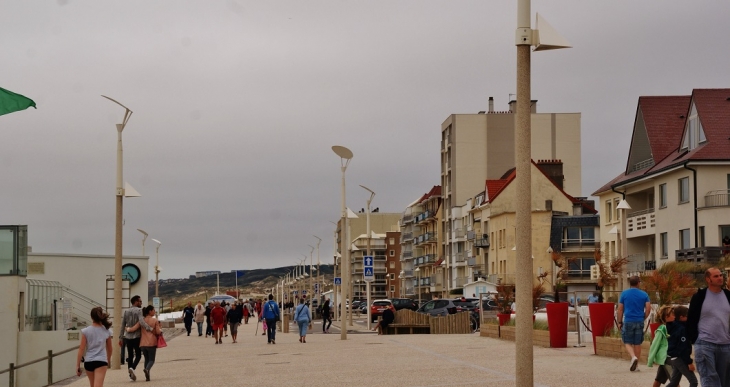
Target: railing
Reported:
point(460, 257)
point(425, 259)
point(700, 255)
point(408, 254)
point(51, 355)
point(718, 198)
point(461, 281)
point(568, 244)
point(407, 218)
point(471, 235)
point(406, 236)
point(459, 233)
point(642, 165)
point(471, 261)
point(408, 273)
point(639, 223)
point(436, 279)
point(649, 265)
point(481, 242)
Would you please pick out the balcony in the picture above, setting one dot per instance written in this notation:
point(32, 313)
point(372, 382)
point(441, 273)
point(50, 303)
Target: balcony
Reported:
point(701, 255)
point(425, 260)
point(471, 261)
point(471, 235)
point(482, 242)
point(640, 223)
point(408, 254)
point(461, 281)
point(408, 273)
point(406, 219)
point(406, 236)
point(436, 279)
point(425, 238)
point(459, 233)
point(580, 244)
point(717, 198)
point(460, 257)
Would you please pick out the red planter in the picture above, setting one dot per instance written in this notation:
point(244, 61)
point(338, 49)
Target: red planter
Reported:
point(557, 314)
point(503, 318)
point(602, 319)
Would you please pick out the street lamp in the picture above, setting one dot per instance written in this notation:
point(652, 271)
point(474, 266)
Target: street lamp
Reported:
point(367, 227)
point(144, 238)
point(401, 276)
point(319, 269)
point(117, 319)
point(345, 157)
point(157, 267)
point(418, 283)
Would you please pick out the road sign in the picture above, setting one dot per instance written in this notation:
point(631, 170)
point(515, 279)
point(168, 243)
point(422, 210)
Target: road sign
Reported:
point(316, 288)
point(338, 281)
point(367, 263)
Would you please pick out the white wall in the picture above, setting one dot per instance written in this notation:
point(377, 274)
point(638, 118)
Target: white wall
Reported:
point(11, 287)
point(34, 345)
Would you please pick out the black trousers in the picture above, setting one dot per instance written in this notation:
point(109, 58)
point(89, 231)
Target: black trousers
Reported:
point(133, 352)
point(326, 317)
point(188, 325)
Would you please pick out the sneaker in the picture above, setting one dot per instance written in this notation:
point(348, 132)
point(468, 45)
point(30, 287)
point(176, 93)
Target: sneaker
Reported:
point(132, 375)
point(273, 341)
point(146, 375)
point(634, 363)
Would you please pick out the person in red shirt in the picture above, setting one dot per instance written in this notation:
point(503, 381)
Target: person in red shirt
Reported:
point(218, 320)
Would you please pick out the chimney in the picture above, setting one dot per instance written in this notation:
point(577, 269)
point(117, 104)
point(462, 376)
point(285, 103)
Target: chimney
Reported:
point(491, 104)
point(553, 169)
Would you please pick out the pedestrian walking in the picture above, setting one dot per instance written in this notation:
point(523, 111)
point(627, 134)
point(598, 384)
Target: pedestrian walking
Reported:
point(188, 314)
point(234, 317)
point(96, 348)
point(199, 317)
point(301, 316)
point(270, 313)
point(633, 308)
point(227, 307)
point(679, 349)
point(218, 321)
point(148, 341)
point(246, 311)
point(133, 315)
point(326, 310)
point(708, 329)
point(658, 349)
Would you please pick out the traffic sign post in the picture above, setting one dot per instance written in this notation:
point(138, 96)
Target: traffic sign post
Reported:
point(367, 265)
point(338, 281)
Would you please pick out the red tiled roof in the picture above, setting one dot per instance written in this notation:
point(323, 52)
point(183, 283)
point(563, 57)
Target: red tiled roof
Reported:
point(666, 134)
point(435, 191)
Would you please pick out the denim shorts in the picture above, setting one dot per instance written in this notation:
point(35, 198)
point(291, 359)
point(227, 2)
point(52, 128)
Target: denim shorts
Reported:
point(633, 333)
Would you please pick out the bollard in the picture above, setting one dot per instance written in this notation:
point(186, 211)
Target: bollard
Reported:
point(50, 367)
point(285, 323)
point(12, 375)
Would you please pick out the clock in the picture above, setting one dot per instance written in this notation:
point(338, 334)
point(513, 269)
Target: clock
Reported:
point(131, 272)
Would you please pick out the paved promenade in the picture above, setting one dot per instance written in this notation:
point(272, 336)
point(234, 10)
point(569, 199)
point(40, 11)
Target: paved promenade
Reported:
point(366, 359)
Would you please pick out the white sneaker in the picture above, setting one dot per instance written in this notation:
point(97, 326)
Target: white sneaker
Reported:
point(634, 363)
point(132, 375)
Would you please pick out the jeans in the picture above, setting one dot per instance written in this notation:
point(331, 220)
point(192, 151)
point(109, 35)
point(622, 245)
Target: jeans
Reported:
point(188, 326)
point(200, 328)
point(271, 329)
point(713, 363)
point(134, 353)
point(208, 328)
point(303, 325)
point(149, 357)
point(633, 333)
point(679, 368)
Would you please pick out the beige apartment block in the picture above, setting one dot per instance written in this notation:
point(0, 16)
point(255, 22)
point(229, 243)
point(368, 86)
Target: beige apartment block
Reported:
point(676, 181)
point(480, 147)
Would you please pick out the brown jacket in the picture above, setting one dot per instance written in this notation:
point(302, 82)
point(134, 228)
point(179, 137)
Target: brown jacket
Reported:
point(149, 338)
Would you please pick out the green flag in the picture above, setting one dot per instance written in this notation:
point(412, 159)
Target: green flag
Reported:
point(11, 102)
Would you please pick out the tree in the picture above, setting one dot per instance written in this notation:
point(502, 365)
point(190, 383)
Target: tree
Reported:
point(670, 284)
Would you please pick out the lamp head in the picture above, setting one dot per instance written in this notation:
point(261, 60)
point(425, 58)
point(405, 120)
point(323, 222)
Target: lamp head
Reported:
point(156, 241)
point(143, 232)
point(342, 152)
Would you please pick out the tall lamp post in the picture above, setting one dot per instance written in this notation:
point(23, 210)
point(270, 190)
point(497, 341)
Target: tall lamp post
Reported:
point(418, 284)
point(345, 157)
point(367, 227)
point(157, 267)
point(117, 320)
point(402, 276)
point(144, 238)
point(319, 269)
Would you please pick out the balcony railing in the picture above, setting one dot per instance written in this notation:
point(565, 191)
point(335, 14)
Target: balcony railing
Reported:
point(459, 233)
point(649, 265)
point(700, 255)
point(640, 223)
point(579, 244)
point(461, 281)
point(471, 235)
point(718, 198)
point(408, 254)
point(406, 236)
point(436, 279)
point(471, 261)
point(425, 259)
point(406, 219)
point(408, 273)
point(460, 257)
point(482, 242)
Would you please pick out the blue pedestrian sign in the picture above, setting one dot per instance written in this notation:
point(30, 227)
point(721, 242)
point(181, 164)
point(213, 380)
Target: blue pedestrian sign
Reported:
point(367, 264)
point(338, 281)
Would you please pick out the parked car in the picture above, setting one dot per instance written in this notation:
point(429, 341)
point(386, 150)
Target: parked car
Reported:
point(404, 303)
point(377, 308)
point(440, 307)
point(470, 305)
point(363, 308)
point(356, 304)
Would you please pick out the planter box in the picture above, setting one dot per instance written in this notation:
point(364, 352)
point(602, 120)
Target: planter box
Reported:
point(539, 337)
point(507, 333)
point(614, 347)
point(489, 330)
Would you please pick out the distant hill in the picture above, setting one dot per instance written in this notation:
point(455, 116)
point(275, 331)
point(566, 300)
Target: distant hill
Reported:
point(251, 284)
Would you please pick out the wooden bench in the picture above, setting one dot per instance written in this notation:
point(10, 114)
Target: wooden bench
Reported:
point(408, 322)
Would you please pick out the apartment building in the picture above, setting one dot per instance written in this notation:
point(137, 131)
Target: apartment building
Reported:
point(676, 183)
point(424, 267)
point(393, 264)
point(480, 147)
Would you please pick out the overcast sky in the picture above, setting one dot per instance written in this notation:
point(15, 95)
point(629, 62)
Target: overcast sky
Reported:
point(237, 104)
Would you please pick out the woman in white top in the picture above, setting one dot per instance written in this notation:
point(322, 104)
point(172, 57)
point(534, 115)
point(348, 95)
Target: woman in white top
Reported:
point(96, 343)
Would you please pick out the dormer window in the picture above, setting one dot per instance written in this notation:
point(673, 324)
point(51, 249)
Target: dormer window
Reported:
point(694, 135)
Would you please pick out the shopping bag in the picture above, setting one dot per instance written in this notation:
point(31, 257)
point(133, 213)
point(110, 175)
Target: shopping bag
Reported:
point(161, 343)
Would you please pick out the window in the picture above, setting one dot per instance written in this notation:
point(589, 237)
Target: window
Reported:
point(392, 253)
point(392, 241)
point(580, 267)
point(664, 245)
point(579, 236)
point(701, 236)
point(662, 195)
point(684, 239)
point(392, 276)
point(392, 264)
point(609, 211)
point(693, 132)
point(392, 288)
point(684, 190)
point(617, 213)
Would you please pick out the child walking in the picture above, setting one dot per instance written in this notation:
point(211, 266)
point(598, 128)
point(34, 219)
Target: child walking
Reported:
point(679, 350)
point(658, 349)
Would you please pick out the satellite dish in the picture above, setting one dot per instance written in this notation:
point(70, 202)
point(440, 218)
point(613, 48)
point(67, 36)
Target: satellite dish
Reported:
point(546, 37)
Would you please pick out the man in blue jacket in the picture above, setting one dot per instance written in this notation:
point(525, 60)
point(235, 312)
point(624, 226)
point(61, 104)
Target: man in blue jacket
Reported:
point(270, 311)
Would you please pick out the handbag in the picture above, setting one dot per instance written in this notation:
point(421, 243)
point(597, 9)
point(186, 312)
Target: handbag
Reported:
point(161, 343)
point(277, 317)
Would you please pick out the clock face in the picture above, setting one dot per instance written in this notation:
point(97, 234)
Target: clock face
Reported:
point(131, 271)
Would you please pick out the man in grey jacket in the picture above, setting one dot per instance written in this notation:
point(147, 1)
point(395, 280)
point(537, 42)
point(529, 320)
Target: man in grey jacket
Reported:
point(131, 317)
